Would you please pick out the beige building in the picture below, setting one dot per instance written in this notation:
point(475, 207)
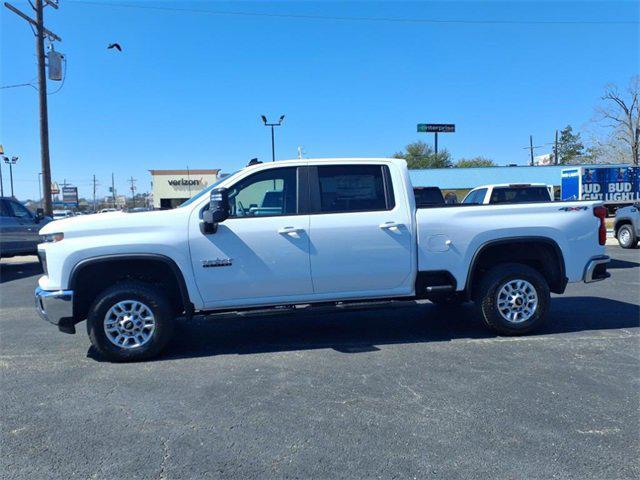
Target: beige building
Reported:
point(172, 187)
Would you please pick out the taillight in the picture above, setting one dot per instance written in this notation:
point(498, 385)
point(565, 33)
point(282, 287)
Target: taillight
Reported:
point(601, 213)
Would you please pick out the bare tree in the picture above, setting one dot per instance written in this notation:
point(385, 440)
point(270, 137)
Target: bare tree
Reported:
point(623, 115)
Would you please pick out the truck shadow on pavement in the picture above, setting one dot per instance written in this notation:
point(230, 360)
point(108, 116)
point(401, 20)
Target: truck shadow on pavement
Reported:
point(16, 271)
point(617, 264)
point(366, 330)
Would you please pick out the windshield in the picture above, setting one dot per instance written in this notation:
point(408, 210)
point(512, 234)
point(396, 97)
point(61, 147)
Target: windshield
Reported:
point(205, 191)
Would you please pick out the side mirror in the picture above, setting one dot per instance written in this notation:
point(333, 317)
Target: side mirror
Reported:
point(218, 210)
point(39, 215)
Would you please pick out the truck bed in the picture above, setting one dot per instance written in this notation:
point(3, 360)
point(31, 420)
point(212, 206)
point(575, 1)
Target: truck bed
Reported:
point(450, 237)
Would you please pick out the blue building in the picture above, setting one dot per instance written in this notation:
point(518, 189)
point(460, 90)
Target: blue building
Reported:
point(468, 178)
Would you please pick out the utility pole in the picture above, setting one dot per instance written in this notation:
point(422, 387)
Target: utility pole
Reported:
point(40, 187)
point(113, 190)
point(41, 32)
point(555, 150)
point(94, 193)
point(1, 183)
point(133, 191)
point(531, 148)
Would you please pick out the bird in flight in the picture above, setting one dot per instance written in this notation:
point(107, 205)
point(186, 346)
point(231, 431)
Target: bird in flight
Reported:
point(115, 45)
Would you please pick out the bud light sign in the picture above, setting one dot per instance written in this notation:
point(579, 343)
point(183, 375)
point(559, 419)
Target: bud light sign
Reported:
point(605, 184)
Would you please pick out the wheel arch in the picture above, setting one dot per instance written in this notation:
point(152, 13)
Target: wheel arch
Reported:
point(142, 259)
point(619, 223)
point(553, 269)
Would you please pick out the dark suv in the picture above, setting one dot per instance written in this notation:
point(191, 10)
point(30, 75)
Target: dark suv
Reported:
point(19, 228)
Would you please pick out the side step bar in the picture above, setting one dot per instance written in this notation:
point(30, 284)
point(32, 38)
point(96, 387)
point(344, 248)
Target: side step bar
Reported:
point(440, 289)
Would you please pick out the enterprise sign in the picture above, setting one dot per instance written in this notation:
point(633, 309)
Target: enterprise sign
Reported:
point(436, 127)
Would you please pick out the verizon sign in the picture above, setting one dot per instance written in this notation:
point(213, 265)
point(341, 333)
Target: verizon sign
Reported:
point(186, 182)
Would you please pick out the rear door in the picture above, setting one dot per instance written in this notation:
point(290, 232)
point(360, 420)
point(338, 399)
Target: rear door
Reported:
point(361, 230)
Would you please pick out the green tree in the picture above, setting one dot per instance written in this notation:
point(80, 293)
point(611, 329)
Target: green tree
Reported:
point(420, 155)
point(475, 162)
point(569, 146)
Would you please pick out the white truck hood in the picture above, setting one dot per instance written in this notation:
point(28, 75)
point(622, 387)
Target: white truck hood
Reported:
point(112, 222)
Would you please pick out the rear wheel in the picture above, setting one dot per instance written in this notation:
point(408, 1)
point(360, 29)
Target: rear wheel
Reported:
point(514, 299)
point(130, 321)
point(627, 237)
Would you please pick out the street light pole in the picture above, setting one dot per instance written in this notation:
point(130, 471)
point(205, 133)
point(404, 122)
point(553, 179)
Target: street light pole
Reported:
point(11, 162)
point(273, 142)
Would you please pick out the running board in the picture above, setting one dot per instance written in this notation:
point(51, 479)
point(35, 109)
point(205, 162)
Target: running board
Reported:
point(440, 288)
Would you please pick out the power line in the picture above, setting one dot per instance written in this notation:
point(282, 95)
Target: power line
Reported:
point(360, 19)
point(19, 85)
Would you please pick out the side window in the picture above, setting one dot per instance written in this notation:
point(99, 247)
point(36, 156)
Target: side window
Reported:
point(18, 210)
point(267, 193)
point(4, 211)
point(475, 197)
point(354, 188)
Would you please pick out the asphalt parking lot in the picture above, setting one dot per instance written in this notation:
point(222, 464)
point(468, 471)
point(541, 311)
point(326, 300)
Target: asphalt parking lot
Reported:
point(416, 391)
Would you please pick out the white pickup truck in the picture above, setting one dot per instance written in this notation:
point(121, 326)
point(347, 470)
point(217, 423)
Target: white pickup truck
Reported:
point(309, 232)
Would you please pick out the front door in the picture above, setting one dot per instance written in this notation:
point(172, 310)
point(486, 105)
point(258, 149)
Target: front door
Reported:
point(361, 234)
point(260, 254)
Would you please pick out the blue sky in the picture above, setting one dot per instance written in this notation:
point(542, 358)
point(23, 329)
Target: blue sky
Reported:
point(189, 87)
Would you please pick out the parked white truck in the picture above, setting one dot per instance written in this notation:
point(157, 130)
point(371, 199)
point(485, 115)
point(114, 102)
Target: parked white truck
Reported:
point(308, 232)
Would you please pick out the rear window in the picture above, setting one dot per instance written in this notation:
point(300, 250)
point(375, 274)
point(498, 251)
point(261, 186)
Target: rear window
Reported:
point(428, 197)
point(520, 195)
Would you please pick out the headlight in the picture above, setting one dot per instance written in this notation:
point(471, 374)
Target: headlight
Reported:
point(52, 237)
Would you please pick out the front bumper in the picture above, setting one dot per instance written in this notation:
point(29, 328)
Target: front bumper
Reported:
point(596, 269)
point(56, 307)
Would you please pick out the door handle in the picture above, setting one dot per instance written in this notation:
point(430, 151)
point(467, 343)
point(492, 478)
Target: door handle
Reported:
point(288, 230)
point(390, 225)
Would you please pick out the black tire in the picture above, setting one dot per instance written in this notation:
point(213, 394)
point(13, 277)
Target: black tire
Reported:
point(150, 296)
point(627, 237)
point(492, 283)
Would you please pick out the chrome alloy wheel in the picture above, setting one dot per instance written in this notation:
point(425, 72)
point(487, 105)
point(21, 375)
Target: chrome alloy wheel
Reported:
point(129, 324)
point(517, 301)
point(624, 236)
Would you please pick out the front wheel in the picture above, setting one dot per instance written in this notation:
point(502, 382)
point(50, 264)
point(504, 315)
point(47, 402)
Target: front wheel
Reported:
point(514, 299)
point(130, 321)
point(627, 237)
